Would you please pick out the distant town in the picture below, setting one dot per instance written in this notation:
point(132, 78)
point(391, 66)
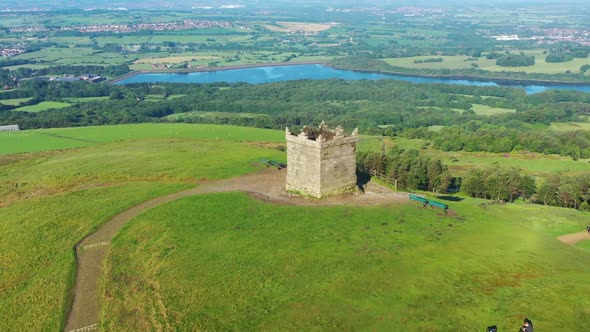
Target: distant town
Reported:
point(126, 28)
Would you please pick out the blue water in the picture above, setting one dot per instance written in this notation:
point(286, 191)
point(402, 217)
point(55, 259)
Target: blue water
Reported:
point(316, 72)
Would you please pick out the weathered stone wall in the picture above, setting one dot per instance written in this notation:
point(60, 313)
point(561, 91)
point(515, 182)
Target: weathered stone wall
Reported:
point(338, 166)
point(9, 128)
point(320, 167)
point(303, 165)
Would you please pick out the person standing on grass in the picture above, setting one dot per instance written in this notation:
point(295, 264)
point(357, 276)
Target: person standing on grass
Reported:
point(588, 228)
point(527, 326)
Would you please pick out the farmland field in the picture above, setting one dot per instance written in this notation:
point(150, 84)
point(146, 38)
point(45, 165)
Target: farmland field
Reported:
point(42, 106)
point(570, 126)
point(487, 110)
point(14, 102)
point(462, 62)
point(536, 164)
point(298, 26)
point(258, 266)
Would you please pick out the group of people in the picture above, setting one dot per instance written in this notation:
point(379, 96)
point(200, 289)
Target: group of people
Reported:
point(527, 326)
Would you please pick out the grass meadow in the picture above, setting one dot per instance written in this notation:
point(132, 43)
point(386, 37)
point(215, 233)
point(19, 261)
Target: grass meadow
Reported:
point(42, 106)
point(50, 200)
point(229, 262)
point(66, 138)
point(460, 162)
point(14, 102)
point(462, 62)
point(570, 126)
point(487, 110)
point(38, 237)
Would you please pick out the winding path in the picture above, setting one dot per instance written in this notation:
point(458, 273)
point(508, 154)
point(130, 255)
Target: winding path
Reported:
point(267, 185)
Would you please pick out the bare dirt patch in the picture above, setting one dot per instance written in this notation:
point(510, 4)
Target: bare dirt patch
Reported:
point(574, 238)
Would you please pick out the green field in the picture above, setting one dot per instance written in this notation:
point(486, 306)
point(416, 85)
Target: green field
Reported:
point(38, 236)
point(42, 106)
point(195, 264)
point(76, 56)
point(570, 126)
point(14, 102)
point(83, 100)
point(228, 262)
point(65, 138)
point(536, 164)
point(51, 200)
point(487, 110)
point(462, 62)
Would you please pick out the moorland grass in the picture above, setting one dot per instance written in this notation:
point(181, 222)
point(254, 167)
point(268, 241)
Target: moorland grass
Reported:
point(35, 141)
point(64, 138)
point(159, 160)
point(38, 237)
point(229, 262)
point(51, 200)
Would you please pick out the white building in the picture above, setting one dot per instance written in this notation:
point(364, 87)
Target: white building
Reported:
point(9, 128)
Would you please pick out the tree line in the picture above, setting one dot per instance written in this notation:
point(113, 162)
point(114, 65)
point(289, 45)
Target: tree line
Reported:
point(474, 136)
point(407, 169)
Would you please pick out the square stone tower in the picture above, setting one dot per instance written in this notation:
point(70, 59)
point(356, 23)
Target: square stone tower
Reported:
point(321, 161)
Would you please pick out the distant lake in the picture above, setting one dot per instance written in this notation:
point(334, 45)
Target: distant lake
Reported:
point(318, 72)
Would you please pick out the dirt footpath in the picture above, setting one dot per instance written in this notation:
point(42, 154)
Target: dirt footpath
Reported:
point(267, 185)
point(574, 238)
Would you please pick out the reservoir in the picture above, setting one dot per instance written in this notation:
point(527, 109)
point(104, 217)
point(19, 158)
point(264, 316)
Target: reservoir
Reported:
point(257, 75)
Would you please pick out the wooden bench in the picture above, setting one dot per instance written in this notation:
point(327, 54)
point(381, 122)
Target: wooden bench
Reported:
point(425, 202)
point(418, 199)
point(439, 205)
point(272, 163)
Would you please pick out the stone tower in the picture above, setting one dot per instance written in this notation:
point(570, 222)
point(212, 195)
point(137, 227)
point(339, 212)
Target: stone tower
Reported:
point(321, 161)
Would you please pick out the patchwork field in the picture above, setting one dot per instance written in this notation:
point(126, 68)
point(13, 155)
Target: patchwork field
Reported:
point(299, 26)
point(463, 62)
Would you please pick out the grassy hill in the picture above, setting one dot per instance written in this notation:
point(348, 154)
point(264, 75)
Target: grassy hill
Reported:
point(51, 200)
point(226, 261)
point(229, 262)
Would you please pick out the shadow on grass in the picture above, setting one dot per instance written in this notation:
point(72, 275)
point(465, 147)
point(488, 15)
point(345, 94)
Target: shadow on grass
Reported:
point(450, 198)
point(362, 179)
